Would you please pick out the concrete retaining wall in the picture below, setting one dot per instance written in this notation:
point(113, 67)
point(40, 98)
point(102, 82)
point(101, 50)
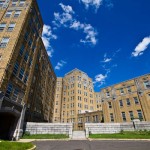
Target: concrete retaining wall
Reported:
point(49, 128)
point(92, 128)
point(142, 125)
point(108, 128)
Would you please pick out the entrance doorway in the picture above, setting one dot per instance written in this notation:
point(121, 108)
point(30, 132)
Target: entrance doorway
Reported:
point(8, 123)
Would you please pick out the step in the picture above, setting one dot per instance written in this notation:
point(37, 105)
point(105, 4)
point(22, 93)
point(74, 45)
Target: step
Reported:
point(78, 135)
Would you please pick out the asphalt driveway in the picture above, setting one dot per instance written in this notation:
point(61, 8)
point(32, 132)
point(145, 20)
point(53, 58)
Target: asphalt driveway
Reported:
point(93, 145)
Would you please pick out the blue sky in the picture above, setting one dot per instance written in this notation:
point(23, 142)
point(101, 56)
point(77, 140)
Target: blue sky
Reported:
point(107, 39)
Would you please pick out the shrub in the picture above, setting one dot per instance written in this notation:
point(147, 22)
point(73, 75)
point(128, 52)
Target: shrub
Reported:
point(27, 133)
point(121, 132)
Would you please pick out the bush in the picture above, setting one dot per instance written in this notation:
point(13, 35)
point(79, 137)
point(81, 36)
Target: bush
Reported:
point(27, 133)
point(121, 132)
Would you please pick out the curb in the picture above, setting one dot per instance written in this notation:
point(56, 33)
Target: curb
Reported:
point(51, 139)
point(32, 140)
point(118, 139)
point(33, 148)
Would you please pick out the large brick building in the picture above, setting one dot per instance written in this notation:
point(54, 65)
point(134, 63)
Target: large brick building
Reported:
point(74, 95)
point(121, 102)
point(127, 100)
point(27, 79)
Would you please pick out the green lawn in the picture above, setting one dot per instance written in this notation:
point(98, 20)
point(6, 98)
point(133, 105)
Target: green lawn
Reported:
point(46, 136)
point(6, 145)
point(123, 135)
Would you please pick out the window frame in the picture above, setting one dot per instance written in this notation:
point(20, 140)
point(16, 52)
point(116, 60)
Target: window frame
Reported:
point(2, 26)
point(10, 28)
point(16, 14)
point(4, 44)
point(121, 102)
point(123, 114)
point(8, 13)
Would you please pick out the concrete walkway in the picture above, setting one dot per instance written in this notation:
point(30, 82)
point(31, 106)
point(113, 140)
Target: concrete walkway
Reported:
point(78, 135)
point(32, 140)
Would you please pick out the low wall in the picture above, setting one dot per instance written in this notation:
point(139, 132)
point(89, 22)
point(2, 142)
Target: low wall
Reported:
point(142, 125)
point(108, 128)
point(49, 128)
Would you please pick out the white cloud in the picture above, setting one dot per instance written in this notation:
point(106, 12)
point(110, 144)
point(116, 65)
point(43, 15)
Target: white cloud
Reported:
point(76, 25)
point(62, 19)
point(90, 34)
point(107, 67)
point(141, 47)
point(67, 9)
point(66, 19)
point(94, 3)
point(100, 79)
point(60, 65)
point(47, 36)
point(106, 59)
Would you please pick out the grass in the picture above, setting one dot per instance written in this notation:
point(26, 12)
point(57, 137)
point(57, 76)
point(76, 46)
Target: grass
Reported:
point(5, 145)
point(46, 136)
point(123, 135)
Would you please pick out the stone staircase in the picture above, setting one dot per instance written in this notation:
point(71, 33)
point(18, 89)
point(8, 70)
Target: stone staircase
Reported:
point(78, 135)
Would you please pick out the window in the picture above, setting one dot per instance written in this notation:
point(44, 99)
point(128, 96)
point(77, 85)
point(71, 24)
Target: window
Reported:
point(30, 42)
point(14, 3)
point(22, 2)
point(136, 100)
point(17, 13)
point(8, 14)
point(4, 42)
point(86, 106)
point(21, 73)
point(147, 84)
point(131, 115)
point(128, 102)
point(123, 116)
point(129, 89)
point(26, 36)
point(16, 68)
point(95, 118)
point(2, 26)
point(15, 95)
point(121, 103)
point(21, 50)
point(79, 105)
point(140, 114)
point(87, 119)
point(111, 117)
point(26, 56)
point(2, 3)
point(11, 27)
point(9, 90)
point(91, 107)
point(109, 105)
point(107, 94)
point(121, 91)
point(26, 78)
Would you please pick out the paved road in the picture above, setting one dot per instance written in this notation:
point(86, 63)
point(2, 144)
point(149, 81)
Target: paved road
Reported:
point(92, 145)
